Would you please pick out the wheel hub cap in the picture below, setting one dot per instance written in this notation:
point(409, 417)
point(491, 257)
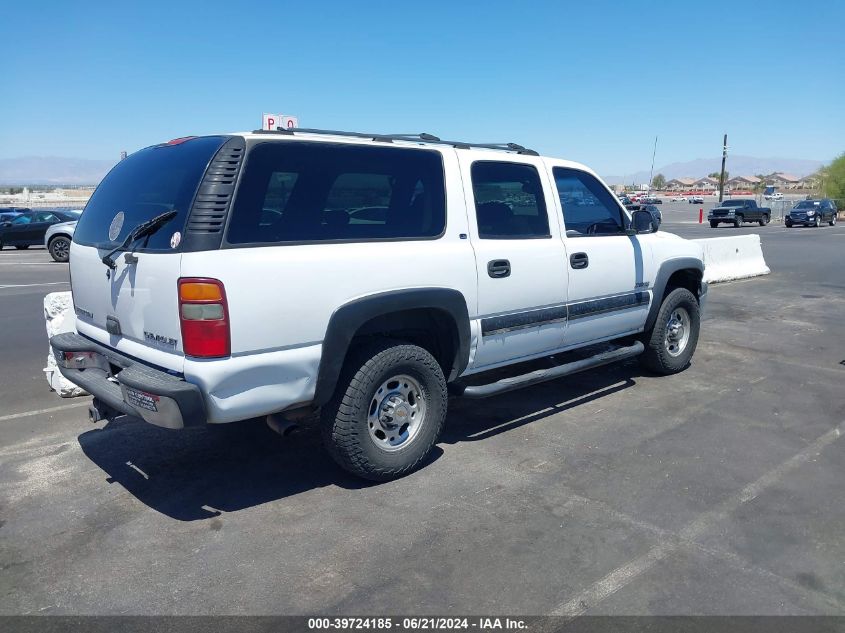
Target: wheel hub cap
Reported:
point(677, 332)
point(397, 412)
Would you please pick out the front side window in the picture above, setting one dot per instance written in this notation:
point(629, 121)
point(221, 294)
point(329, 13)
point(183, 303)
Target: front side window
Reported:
point(588, 207)
point(509, 202)
point(311, 192)
point(22, 219)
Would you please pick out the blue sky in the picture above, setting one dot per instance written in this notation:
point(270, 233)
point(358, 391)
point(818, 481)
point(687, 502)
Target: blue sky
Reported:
point(589, 81)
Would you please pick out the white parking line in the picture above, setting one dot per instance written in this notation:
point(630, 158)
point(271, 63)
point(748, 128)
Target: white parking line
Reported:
point(50, 283)
point(26, 414)
point(622, 576)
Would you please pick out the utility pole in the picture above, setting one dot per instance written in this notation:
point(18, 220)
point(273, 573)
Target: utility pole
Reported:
point(651, 176)
point(722, 175)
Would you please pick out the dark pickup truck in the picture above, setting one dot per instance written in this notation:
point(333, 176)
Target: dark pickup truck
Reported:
point(738, 211)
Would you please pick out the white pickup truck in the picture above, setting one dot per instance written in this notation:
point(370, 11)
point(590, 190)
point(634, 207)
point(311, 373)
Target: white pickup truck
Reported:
point(363, 277)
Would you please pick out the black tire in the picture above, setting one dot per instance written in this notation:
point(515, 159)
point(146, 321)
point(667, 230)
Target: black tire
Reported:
point(738, 221)
point(816, 222)
point(788, 224)
point(59, 248)
point(713, 224)
point(347, 433)
point(22, 247)
point(657, 356)
point(832, 220)
point(764, 220)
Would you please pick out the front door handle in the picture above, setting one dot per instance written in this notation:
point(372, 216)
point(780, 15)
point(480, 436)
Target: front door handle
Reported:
point(579, 260)
point(499, 268)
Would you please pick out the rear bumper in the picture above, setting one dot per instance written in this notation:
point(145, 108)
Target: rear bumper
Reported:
point(127, 385)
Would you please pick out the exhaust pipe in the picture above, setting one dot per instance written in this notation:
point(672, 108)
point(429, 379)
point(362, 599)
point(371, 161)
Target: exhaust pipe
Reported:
point(282, 426)
point(98, 411)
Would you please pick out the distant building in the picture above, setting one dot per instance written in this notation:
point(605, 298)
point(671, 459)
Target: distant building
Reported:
point(743, 182)
point(706, 184)
point(680, 184)
point(785, 181)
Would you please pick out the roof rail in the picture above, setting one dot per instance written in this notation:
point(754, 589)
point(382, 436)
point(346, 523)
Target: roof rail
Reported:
point(423, 137)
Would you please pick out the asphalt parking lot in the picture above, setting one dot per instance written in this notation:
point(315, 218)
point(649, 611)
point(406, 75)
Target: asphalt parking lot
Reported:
point(715, 491)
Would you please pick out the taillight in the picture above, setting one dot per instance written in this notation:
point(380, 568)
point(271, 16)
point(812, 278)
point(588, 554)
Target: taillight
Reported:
point(204, 316)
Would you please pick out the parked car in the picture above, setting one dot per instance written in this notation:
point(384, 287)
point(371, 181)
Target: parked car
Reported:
point(651, 200)
point(696, 199)
point(737, 211)
point(774, 196)
point(184, 316)
point(652, 210)
point(679, 199)
point(10, 213)
point(28, 228)
point(57, 240)
point(812, 213)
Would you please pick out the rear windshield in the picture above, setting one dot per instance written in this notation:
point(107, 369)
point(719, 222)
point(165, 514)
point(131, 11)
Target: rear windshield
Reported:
point(309, 192)
point(143, 185)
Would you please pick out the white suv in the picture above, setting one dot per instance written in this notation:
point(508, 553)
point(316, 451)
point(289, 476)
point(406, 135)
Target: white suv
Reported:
point(364, 276)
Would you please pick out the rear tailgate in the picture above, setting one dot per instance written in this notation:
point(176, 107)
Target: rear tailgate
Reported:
point(134, 306)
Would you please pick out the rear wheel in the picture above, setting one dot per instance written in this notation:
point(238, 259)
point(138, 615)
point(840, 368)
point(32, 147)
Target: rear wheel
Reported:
point(670, 344)
point(22, 247)
point(59, 248)
point(387, 411)
point(713, 224)
point(764, 220)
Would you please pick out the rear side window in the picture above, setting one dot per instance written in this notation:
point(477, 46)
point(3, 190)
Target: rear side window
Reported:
point(312, 192)
point(509, 202)
point(143, 185)
point(588, 207)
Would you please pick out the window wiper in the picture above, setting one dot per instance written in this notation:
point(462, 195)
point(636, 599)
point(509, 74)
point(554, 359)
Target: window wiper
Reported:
point(145, 228)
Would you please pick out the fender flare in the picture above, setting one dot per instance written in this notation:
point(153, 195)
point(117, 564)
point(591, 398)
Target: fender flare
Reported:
point(666, 270)
point(348, 319)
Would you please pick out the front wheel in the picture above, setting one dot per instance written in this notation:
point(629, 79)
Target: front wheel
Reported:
point(832, 220)
point(764, 220)
point(738, 221)
point(671, 342)
point(713, 224)
point(59, 249)
point(817, 223)
point(387, 411)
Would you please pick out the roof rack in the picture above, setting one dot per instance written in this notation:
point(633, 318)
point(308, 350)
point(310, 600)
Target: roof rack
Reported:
point(423, 137)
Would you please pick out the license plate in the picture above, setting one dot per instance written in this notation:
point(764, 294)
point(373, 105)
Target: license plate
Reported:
point(141, 399)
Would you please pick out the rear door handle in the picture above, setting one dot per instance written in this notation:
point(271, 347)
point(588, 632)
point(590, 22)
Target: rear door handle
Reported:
point(579, 260)
point(499, 268)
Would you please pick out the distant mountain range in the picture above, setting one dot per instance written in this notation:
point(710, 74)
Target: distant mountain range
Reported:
point(52, 170)
point(736, 166)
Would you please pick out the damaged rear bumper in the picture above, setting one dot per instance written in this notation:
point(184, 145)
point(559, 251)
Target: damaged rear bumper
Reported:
point(127, 385)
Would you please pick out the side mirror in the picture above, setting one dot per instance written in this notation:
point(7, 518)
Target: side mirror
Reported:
point(643, 222)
